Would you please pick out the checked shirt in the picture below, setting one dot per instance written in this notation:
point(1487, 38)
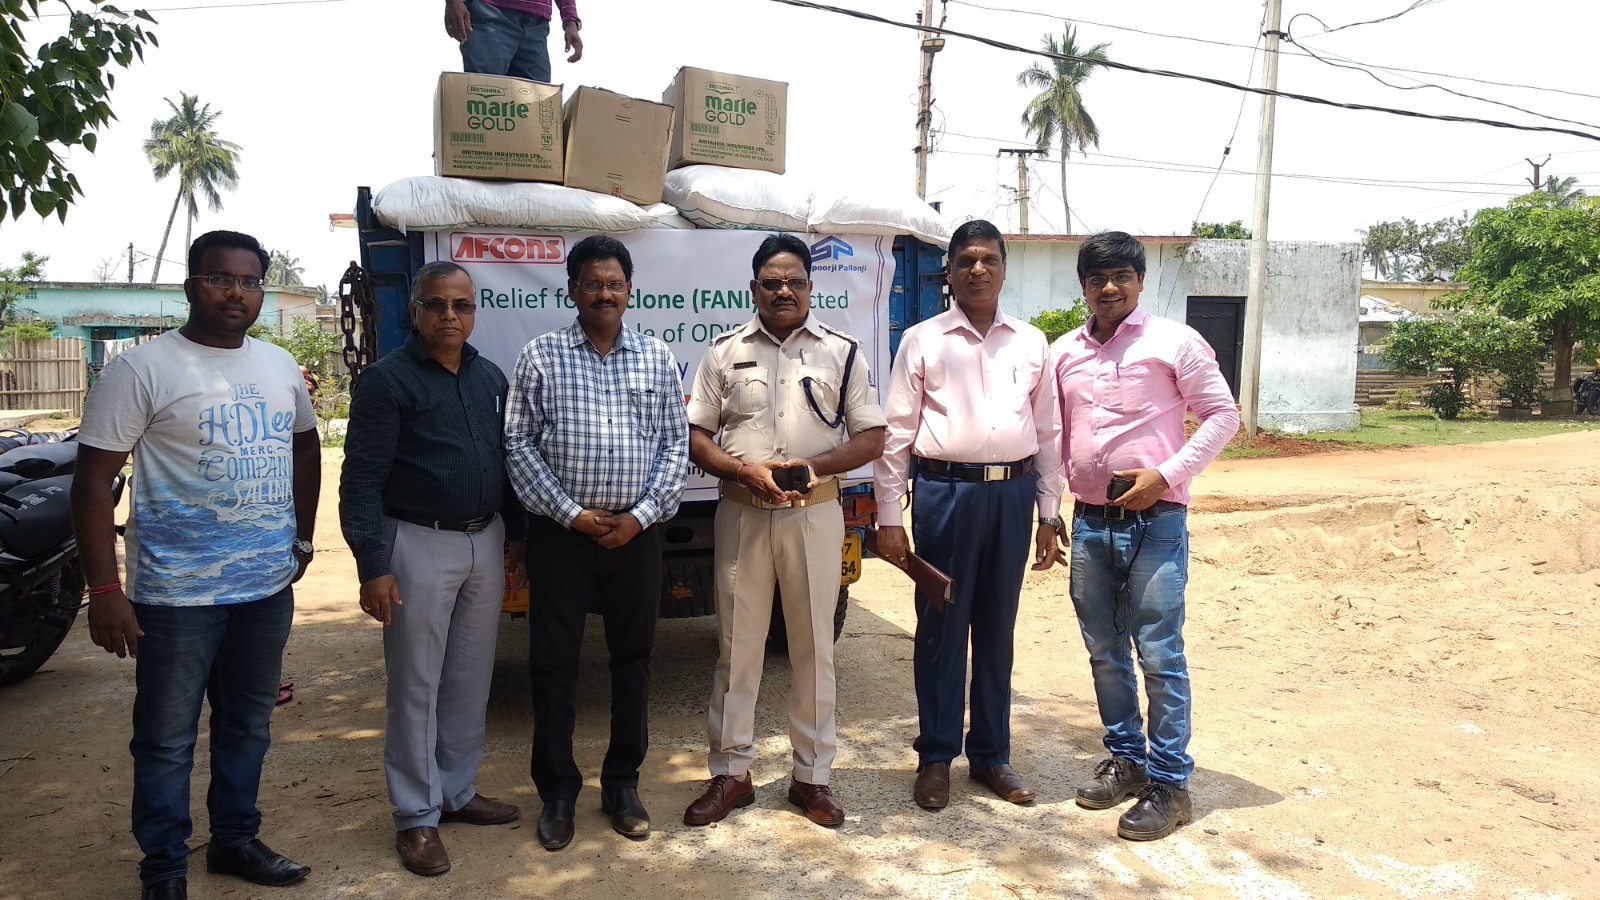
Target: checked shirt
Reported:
point(585, 431)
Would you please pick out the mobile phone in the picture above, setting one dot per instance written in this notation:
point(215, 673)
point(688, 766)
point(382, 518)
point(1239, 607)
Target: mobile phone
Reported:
point(794, 478)
point(1117, 488)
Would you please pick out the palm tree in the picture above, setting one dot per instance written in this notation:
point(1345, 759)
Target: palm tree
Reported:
point(206, 164)
point(1057, 115)
point(1565, 190)
point(284, 269)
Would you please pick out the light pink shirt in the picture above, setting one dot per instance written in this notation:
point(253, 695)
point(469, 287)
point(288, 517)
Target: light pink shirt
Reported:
point(959, 396)
point(1123, 404)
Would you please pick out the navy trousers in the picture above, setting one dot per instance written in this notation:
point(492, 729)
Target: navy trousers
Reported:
point(980, 533)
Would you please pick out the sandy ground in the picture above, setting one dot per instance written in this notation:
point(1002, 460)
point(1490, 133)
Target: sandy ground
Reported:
point(1395, 666)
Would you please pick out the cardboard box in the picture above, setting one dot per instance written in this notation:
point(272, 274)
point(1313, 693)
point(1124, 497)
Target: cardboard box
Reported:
point(489, 126)
point(728, 120)
point(616, 145)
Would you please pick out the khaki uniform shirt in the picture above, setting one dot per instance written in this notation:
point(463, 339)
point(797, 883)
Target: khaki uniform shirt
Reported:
point(750, 388)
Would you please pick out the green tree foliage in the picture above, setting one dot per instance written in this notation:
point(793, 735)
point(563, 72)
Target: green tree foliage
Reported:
point(16, 281)
point(284, 269)
point(58, 98)
point(1234, 230)
point(186, 143)
point(305, 341)
point(1565, 190)
point(1406, 251)
point(1539, 260)
point(1056, 114)
point(1470, 344)
point(1056, 322)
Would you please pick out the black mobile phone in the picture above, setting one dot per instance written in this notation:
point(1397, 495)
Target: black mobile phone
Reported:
point(1117, 488)
point(794, 478)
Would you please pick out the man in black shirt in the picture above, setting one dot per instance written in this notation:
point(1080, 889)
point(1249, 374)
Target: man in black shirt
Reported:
point(420, 503)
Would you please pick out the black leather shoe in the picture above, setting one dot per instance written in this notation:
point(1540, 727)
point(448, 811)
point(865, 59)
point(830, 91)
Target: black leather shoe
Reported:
point(628, 816)
point(256, 863)
point(1115, 779)
point(1159, 812)
point(556, 824)
point(171, 889)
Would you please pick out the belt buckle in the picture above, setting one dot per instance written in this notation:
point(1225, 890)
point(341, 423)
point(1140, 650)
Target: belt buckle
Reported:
point(996, 473)
point(1121, 513)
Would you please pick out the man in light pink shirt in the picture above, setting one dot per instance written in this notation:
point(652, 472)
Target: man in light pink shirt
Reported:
point(1125, 382)
point(974, 426)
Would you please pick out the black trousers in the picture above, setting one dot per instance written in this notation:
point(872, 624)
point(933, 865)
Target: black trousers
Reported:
point(569, 573)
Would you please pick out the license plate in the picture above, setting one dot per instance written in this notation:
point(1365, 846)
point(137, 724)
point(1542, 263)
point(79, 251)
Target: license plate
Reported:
point(850, 567)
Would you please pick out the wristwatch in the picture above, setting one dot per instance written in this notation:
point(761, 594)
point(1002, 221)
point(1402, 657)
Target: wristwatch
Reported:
point(1053, 523)
point(303, 547)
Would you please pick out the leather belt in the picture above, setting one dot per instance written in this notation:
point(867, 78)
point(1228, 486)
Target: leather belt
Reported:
point(826, 492)
point(470, 526)
point(1119, 514)
point(955, 471)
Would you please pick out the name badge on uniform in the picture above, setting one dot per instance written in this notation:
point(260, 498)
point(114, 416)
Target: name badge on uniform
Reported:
point(744, 365)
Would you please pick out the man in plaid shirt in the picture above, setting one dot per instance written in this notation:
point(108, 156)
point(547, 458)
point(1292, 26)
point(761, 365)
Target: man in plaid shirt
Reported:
point(597, 444)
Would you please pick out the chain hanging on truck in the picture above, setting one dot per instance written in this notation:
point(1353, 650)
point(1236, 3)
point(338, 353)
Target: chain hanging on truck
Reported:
point(356, 299)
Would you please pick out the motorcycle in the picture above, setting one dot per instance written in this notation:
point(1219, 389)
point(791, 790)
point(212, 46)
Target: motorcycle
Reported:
point(41, 579)
point(1586, 395)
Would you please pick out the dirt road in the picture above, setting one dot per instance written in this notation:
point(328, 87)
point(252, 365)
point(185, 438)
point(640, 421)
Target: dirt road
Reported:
point(1396, 661)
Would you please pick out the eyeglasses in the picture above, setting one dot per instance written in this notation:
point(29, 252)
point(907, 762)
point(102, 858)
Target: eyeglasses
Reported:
point(223, 282)
point(592, 288)
point(796, 286)
point(1122, 279)
point(437, 307)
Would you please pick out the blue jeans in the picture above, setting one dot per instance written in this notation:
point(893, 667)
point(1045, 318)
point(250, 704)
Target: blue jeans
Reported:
point(231, 655)
point(506, 42)
point(1151, 621)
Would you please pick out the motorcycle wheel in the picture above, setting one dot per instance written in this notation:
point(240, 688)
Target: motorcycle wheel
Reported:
point(32, 627)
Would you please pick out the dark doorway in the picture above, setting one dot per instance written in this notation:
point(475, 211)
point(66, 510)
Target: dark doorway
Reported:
point(1220, 320)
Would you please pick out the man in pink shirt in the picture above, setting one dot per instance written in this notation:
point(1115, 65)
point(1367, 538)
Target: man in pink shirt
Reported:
point(510, 37)
point(1125, 381)
point(975, 429)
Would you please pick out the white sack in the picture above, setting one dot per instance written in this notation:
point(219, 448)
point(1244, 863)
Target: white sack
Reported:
point(877, 211)
point(722, 197)
point(434, 203)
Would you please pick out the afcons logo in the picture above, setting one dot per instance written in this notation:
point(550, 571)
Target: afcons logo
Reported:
point(830, 248)
point(535, 249)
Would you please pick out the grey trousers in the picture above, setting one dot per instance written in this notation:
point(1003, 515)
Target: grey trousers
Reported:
point(438, 650)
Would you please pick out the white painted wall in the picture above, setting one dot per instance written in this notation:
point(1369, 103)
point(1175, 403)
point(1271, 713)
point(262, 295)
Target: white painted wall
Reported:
point(1308, 341)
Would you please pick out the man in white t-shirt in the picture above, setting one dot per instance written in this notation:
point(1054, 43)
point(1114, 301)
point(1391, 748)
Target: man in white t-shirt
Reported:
point(226, 470)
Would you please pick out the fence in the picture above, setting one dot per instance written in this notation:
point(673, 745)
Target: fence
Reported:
point(1377, 387)
point(47, 374)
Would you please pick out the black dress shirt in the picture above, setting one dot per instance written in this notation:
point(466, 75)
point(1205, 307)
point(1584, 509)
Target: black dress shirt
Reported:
point(423, 443)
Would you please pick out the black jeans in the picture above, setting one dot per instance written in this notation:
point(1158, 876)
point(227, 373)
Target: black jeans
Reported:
point(570, 574)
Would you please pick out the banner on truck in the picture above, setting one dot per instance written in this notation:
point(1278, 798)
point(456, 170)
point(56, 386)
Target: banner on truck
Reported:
point(688, 288)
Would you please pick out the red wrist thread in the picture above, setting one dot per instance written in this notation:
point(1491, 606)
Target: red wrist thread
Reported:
point(104, 589)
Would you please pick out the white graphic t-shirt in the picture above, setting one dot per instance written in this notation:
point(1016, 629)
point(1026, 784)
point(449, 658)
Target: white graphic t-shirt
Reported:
point(212, 434)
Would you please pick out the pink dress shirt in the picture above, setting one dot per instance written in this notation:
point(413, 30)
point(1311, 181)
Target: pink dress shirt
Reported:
point(959, 396)
point(1123, 404)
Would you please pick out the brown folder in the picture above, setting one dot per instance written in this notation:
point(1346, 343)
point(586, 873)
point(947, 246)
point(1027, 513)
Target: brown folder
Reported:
point(934, 584)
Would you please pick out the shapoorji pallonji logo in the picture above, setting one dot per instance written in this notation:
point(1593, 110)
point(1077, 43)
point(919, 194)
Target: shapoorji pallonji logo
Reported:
point(724, 108)
point(830, 254)
point(535, 249)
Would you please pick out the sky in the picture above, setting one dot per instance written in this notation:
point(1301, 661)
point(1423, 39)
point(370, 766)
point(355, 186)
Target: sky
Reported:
point(327, 95)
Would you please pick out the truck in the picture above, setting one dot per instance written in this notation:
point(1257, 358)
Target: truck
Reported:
point(521, 277)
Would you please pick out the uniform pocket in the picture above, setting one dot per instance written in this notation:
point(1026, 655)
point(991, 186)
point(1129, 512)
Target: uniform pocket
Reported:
point(749, 390)
point(822, 386)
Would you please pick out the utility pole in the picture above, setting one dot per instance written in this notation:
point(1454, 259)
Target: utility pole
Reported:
point(130, 262)
point(1538, 184)
point(1255, 305)
point(1022, 154)
point(931, 44)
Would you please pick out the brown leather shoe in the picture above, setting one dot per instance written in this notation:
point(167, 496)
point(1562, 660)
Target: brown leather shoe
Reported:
point(723, 795)
point(481, 810)
point(1005, 782)
point(819, 803)
point(933, 786)
point(421, 851)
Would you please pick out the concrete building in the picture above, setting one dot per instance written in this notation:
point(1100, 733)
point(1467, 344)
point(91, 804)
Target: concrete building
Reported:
point(106, 314)
point(1416, 296)
point(1309, 331)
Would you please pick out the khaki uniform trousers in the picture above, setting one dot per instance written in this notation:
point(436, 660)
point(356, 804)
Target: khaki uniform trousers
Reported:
point(798, 551)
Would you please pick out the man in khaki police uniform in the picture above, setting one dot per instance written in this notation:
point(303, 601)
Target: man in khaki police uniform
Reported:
point(787, 393)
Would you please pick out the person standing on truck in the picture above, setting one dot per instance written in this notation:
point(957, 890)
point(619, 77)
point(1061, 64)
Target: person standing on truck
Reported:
point(974, 434)
point(426, 510)
point(791, 396)
point(598, 449)
point(1126, 380)
point(511, 37)
point(227, 467)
